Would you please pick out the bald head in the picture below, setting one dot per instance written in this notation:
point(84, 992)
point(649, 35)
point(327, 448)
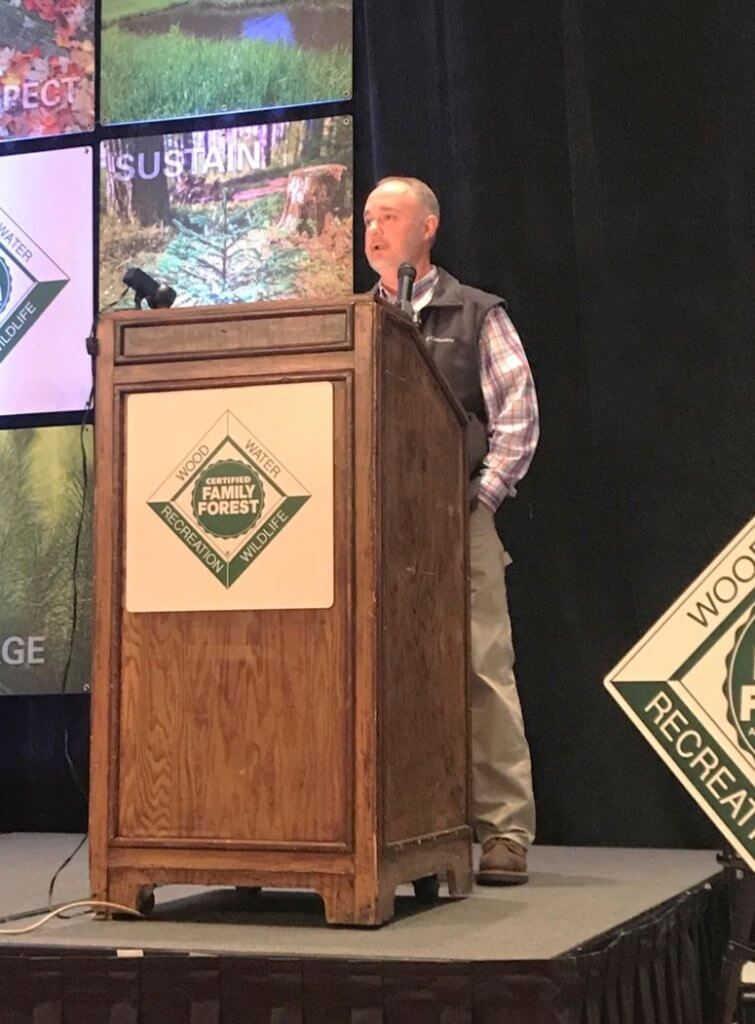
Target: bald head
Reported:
point(401, 218)
point(422, 192)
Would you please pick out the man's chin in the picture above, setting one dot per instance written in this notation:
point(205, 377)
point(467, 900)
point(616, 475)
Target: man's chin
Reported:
point(378, 265)
point(383, 268)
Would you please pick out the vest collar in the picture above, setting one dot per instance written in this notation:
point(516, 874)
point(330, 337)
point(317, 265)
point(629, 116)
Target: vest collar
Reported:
point(447, 292)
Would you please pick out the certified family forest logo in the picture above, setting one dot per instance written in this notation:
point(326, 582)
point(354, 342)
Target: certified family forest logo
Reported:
point(29, 282)
point(740, 684)
point(5, 283)
point(228, 499)
point(689, 687)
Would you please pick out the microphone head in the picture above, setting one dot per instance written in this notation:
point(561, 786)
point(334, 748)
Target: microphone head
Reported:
point(164, 297)
point(408, 271)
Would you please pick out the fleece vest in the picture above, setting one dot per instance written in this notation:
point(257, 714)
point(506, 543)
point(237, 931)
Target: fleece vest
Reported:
point(450, 324)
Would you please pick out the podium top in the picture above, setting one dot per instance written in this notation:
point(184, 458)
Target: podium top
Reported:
point(292, 329)
point(245, 310)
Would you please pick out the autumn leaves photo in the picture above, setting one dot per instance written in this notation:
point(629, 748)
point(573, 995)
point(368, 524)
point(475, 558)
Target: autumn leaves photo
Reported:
point(46, 67)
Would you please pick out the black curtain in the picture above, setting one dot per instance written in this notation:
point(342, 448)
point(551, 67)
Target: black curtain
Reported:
point(594, 165)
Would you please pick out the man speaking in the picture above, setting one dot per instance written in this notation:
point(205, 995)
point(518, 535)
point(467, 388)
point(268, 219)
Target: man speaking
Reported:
point(476, 348)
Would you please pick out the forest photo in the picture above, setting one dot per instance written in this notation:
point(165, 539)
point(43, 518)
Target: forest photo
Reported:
point(177, 58)
point(46, 67)
point(40, 508)
point(233, 215)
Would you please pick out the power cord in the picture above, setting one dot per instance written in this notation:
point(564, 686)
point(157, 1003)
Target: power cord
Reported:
point(91, 905)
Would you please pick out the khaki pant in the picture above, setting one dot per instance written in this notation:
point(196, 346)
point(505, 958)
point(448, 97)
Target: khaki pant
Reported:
point(503, 802)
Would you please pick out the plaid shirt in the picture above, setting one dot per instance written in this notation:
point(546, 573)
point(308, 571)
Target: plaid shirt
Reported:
point(509, 393)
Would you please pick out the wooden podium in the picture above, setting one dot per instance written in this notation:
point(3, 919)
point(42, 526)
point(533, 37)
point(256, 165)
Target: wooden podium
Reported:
point(319, 744)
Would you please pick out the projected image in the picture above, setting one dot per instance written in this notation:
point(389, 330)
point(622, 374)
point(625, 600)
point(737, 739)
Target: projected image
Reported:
point(46, 67)
point(40, 508)
point(46, 280)
point(166, 59)
point(234, 215)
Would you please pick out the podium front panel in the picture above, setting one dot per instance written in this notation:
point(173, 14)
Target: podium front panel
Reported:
point(235, 649)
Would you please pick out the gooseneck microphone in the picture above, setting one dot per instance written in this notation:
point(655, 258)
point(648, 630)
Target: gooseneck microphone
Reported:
point(406, 275)
point(158, 296)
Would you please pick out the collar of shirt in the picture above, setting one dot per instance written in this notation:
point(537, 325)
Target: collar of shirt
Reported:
point(422, 293)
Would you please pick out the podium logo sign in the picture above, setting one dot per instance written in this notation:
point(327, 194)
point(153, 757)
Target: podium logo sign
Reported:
point(29, 283)
point(229, 499)
point(689, 687)
point(229, 496)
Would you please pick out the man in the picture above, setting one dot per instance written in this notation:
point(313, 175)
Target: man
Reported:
point(475, 346)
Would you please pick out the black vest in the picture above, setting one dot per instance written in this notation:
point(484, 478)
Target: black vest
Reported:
point(450, 324)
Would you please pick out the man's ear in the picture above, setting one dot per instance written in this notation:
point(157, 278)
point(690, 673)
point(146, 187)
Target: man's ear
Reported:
point(431, 227)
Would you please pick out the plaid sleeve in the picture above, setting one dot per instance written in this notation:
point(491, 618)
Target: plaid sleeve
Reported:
point(511, 403)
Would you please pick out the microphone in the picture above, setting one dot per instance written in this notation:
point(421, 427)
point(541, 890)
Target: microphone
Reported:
point(158, 296)
point(406, 275)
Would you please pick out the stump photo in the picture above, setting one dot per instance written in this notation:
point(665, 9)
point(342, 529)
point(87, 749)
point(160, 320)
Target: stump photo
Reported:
point(233, 215)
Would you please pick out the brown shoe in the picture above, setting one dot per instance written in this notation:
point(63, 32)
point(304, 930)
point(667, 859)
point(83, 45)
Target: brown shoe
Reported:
point(503, 862)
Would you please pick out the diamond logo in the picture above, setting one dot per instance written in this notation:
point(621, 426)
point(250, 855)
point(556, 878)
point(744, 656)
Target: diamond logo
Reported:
point(29, 282)
point(740, 684)
point(689, 687)
point(229, 499)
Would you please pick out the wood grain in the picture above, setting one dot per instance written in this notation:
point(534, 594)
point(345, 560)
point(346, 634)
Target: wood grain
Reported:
point(423, 602)
point(216, 336)
point(106, 513)
point(319, 748)
point(238, 725)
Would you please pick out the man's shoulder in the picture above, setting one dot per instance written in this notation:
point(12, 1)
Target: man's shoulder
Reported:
point(450, 288)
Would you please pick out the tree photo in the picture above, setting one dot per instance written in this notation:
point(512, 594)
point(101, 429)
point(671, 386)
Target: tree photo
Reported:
point(178, 58)
point(42, 501)
point(232, 215)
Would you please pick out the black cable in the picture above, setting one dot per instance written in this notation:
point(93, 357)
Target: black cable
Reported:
point(75, 599)
point(91, 344)
point(112, 305)
point(92, 349)
point(64, 865)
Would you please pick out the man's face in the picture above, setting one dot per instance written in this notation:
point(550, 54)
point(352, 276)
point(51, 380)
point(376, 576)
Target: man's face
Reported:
point(397, 228)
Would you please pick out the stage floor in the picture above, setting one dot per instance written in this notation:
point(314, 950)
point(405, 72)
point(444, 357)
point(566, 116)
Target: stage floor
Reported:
point(574, 894)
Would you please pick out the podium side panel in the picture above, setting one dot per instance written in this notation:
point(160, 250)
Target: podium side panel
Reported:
point(423, 661)
point(106, 514)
